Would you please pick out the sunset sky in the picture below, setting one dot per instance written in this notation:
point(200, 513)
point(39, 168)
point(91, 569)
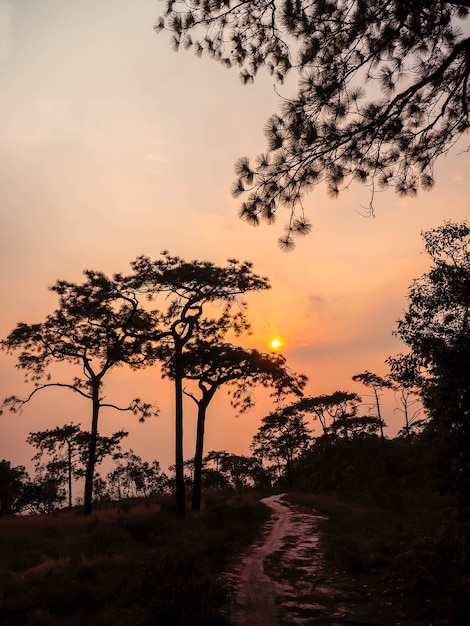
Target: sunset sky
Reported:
point(112, 145)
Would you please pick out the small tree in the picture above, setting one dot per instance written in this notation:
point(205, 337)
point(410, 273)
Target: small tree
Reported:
point(43, 495)
point(95, 328)
point(336, 412)
point(404, 378)
point(67, 448)
point(282, 435)
point(240, 470)
point(134, 477)
point(216, 457)
point(12, 483)
point(191, 289)
point(376, 383)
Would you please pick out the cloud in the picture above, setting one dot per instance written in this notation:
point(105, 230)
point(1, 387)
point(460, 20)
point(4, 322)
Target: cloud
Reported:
point(5, 22)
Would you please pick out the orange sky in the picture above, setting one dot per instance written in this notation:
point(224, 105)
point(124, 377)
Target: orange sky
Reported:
point(112, 145)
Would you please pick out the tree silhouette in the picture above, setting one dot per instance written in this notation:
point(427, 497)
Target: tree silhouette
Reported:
point(95, 328)
point(68, 447)
point(12, 482)
point(376, 383)
point(43, 495)
point(199, 297)
point(336, 412)
point(240, 470)
point(282, 435)
point(404, 378)
point(134, 477)
point(382, 91)
point(213, 365)
point(216, 457)
point(436, 329)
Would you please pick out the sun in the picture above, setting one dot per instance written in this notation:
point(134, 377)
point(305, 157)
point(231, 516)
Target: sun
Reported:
point(275, 344)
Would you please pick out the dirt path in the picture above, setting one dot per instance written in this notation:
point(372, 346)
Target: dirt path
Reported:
point(280, 580)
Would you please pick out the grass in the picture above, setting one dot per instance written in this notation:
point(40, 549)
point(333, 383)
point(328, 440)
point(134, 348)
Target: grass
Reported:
point(132, 564)
point(136, 564)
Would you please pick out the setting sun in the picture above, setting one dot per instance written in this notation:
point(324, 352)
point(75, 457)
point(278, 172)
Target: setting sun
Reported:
point(275, 344)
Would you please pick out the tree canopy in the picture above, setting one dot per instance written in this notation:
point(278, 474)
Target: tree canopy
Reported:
point(200, 297)
point(95, 328)
point(382, 91)
point(436, 329)
point(67, 448)
point(336, 412)
point(11, 487)
point(213, 365)
point(282, 435)
point(376, 384)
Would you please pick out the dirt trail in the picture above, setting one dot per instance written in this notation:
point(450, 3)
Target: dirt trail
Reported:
point(282, 581)
point(279, 580)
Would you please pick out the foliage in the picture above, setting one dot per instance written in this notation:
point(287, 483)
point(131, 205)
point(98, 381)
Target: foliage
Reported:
point(436, 329)
point(281, 436)
point(192, 283)
point(43, 495)
point(12, 481)
point(95, 328)
point(382, 91)
point(67, 448)
point(239, 370)
point(376, 383)
point(241, 470)
point(337, 414)
point(213, 365)
point(133, 477)
point(199, 299)
point(404, 379)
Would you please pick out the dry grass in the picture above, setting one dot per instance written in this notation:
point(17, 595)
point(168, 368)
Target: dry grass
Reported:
point(132, 564)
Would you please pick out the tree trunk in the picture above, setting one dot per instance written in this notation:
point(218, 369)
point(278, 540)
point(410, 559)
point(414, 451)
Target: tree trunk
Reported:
point(90, 468)
point(197, 478)
point(381, 424)
point(407, 428)
point(179, 460)
point(70, 474)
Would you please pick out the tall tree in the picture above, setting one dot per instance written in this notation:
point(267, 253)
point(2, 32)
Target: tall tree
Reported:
point(95, 328)
point(67, 448)
point(436, 329)
point(199, 297)
point(213, 365)
point(376, 384)
point(382, 91)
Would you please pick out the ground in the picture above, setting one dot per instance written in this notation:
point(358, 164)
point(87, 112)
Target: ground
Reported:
point(284, 580)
